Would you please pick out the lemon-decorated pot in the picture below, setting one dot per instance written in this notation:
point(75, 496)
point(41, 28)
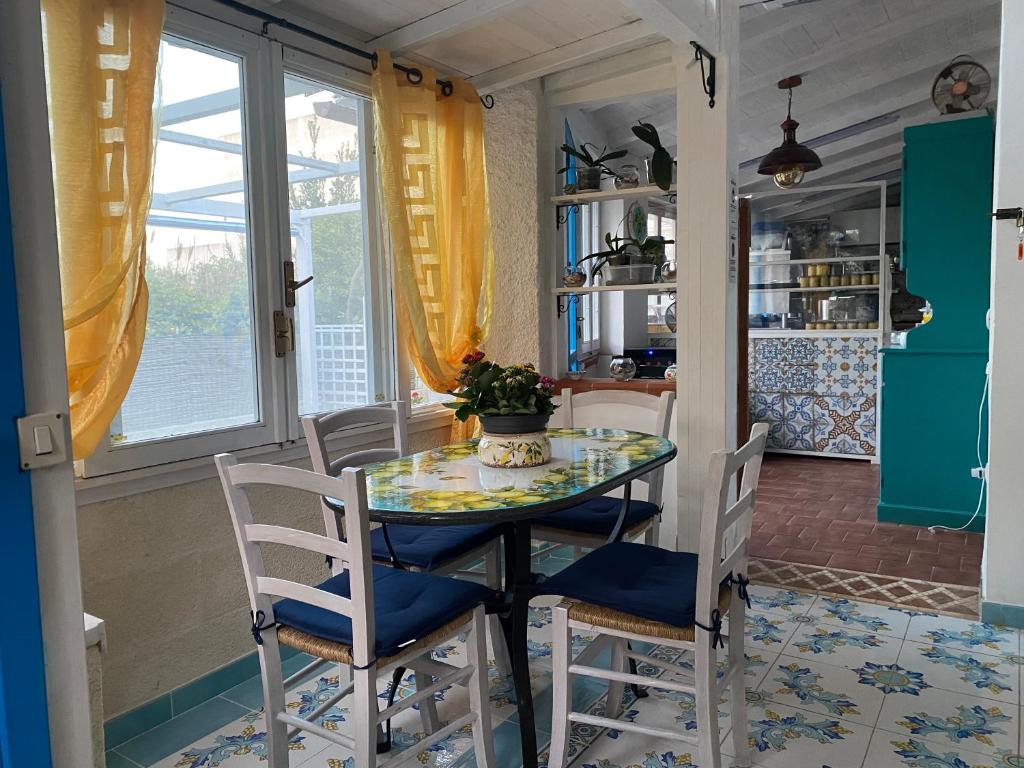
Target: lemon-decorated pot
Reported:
point(518, 440)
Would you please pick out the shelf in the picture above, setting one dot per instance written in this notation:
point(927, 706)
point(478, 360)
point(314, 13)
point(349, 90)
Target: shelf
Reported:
point(793, 333)
point(607, 288)
point(605, 195)
point(808, 262)
point(821, 289)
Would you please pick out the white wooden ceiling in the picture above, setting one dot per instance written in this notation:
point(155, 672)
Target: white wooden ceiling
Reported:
point(868, 65)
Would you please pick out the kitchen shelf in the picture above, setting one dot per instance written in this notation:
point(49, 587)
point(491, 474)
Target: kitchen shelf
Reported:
point(808, 262)
point(608, 288)
point(795, 333)
point(605, 195)
point(820, 289)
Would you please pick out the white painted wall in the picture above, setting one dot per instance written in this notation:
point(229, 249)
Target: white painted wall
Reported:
point(1004, 534)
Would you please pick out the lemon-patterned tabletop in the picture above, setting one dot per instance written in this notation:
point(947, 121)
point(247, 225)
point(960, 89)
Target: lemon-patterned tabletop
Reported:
point(449, 485)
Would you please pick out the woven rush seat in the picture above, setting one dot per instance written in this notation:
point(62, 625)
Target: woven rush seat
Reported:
point(598, 516)
point(342, 653)
point(624, 585)
point(621, 621)
point(409, 607)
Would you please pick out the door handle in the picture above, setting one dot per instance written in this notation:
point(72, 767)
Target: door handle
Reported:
point(291, 285)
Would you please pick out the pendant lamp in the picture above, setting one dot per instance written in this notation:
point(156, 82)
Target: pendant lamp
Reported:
point(789, 161)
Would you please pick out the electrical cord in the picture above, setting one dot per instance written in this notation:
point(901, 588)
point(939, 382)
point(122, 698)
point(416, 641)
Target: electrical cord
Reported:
point(981, 462)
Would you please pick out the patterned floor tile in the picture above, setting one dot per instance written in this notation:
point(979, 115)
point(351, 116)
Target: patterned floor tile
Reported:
point(972, 674)
point(842, 646)
point(784, 737)
point(952, 722)
point(822, 689)
point(964, 635)
point(890, 750)
point(866, 617)
point(780, 601)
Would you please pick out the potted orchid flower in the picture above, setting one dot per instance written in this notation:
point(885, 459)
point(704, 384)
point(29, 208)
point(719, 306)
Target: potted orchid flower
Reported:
point(513, 404)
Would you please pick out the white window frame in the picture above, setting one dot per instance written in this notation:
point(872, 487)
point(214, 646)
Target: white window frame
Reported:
point(262, 62)
point(589, 309)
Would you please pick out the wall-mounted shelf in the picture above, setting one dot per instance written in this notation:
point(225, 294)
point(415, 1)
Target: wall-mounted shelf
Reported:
point(820, 289)
point(806, 262)
point(605, 195)
point(608, 288)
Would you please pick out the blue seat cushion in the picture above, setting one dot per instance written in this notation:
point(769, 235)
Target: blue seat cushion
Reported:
point(638, 579)
point(408, 605)
point(429, 546)
point(598, 516)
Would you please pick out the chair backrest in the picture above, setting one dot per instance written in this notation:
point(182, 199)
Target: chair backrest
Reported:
point(319, 428)
point(724, 527)
point(622, 409)
point(352, 555)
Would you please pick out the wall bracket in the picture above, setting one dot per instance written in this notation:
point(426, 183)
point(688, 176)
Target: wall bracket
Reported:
point(700, 54)
point(562, 211)
point(566, 300)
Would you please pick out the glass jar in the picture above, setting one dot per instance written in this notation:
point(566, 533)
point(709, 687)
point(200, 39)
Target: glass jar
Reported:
point(622, 368)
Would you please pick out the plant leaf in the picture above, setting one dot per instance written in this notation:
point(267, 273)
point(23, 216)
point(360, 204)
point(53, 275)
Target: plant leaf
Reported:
point(661, 166)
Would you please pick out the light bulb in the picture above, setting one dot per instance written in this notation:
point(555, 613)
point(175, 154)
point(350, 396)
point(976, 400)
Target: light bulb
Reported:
point(789, 177)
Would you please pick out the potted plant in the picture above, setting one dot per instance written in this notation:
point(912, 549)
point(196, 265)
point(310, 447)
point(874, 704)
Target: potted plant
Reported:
point(513, 405)
point(629, 260)
point(592, 166)
point(660, 164)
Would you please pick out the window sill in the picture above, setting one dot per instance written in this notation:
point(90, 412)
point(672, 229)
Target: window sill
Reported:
point(121, 484)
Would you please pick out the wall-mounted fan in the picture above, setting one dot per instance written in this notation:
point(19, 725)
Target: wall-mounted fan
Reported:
point(961, 86)
point(670, 317)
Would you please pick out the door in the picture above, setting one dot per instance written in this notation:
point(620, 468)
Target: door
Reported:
point(24, 724)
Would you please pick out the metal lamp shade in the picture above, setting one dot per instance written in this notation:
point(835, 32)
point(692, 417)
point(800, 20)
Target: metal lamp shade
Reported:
point(789, 154)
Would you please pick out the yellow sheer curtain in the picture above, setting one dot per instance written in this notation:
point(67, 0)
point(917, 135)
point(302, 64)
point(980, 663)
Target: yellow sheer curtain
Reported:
point(432, 177)
point(101, 59)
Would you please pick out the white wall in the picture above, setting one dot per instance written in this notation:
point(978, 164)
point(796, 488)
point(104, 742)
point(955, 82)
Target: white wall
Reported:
point(1004, 534)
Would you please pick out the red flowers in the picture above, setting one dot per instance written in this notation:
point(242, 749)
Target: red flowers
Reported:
point(546, 382)
point(473, 357)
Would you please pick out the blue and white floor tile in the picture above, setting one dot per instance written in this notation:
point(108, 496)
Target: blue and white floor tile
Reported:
point(830, 682)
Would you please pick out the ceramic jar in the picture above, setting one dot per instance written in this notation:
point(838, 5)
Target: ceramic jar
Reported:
point(509, 442)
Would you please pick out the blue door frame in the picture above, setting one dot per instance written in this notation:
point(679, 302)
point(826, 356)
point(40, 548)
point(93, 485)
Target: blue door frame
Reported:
point(24, 724)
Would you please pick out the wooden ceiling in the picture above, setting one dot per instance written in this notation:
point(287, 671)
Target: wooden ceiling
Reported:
point(867, 65)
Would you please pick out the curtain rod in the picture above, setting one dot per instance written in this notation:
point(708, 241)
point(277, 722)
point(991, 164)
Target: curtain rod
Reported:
point(412, 74)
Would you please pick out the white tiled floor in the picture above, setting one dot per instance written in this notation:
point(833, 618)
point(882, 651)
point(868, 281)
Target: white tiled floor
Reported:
point(831, 682)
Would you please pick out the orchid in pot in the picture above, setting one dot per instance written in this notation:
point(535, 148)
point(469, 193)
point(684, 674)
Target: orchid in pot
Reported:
point(629, 260)
point(591, 166)
point(513, 404)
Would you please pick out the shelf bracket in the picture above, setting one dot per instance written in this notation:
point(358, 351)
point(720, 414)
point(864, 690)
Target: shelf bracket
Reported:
point(560, 217)
point(564, 301)
point(700, 54)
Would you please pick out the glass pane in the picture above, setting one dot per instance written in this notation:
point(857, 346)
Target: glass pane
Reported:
point(420, 394)
point(328, 225)
point(198, 365)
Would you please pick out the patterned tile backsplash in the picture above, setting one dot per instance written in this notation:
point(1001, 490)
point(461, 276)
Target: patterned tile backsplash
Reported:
point(818, 394)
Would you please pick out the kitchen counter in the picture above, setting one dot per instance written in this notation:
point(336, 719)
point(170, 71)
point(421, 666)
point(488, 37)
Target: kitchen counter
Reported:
point(818, 390)
point(588, 383)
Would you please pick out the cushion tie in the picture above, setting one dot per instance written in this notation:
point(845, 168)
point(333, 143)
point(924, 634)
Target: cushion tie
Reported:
point(258, 626)
point(741, 582)
point(715, 629)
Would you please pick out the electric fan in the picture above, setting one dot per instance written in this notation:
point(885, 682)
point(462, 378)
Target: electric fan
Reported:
point(961, 86)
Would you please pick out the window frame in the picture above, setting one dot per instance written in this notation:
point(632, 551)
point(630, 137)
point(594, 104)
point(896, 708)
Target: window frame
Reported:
point(263, 61)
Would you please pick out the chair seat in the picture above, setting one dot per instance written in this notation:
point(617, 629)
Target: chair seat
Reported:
point(633, 579)
point(427, 546)
point(408, 606)
point(598, 516)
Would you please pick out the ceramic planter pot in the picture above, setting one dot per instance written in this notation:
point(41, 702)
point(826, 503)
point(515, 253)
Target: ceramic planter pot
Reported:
point(514, 441)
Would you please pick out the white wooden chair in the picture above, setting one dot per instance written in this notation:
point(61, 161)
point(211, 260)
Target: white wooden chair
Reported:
point(687, 599)
point(441, 550)
point(589, 524)
point(360, 617)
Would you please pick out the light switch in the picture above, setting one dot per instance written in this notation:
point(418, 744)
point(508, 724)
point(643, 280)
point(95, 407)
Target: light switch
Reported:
point(44, 441)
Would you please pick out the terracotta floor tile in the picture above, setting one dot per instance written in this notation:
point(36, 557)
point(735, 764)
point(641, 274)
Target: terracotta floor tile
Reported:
point(824, 512)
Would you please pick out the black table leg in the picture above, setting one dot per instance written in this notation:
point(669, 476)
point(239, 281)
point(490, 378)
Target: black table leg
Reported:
point(514, 624)
point(620, 523)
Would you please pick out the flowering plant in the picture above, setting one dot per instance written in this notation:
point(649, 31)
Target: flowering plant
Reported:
point(487, 389)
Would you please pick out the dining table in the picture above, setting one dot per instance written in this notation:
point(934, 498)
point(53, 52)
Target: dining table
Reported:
point(448, 485)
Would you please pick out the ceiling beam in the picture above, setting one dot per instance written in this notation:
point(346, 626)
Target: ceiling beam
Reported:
point(445, 23)
point(913, 76)
point(937, 11)
point(681, 20)
point(782, 19)
point(835, 163)
point(562, 58)
point(659, 79)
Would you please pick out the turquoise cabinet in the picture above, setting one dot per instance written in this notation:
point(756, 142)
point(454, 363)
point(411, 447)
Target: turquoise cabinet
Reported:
point(932, 387)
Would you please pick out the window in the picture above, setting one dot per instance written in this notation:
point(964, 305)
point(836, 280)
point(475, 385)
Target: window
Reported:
point(198, 367)
point(657, 303)
point(264, 160)
point(588, 318)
